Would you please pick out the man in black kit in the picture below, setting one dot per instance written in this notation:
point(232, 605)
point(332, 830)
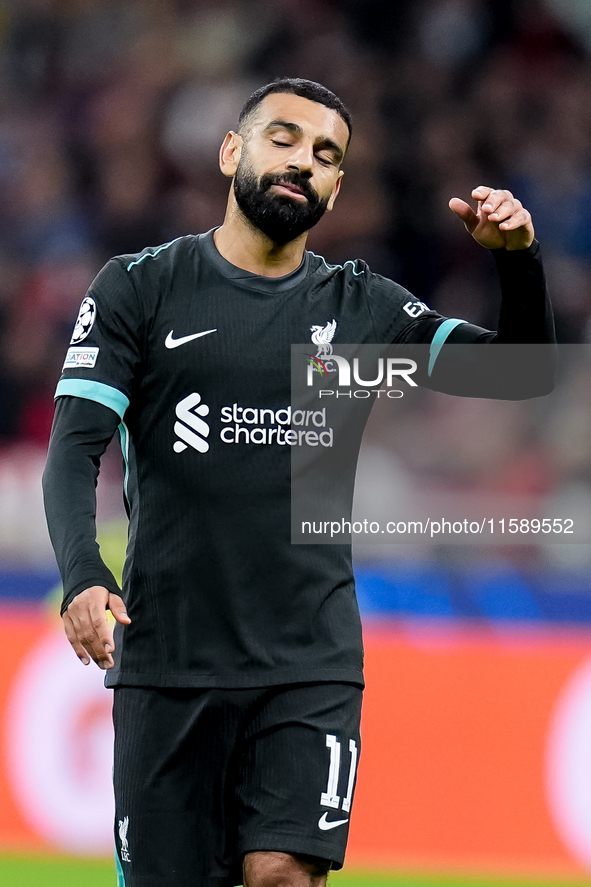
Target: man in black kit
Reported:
point(237, 657)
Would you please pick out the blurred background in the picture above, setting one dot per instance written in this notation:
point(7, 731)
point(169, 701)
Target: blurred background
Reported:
point(477, 731)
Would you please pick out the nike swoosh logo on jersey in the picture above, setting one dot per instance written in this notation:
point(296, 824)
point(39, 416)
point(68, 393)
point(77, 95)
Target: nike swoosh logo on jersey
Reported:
point(174, 343)
point(325, 825)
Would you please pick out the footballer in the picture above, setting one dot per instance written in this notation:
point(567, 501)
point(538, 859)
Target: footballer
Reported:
point(236, 660)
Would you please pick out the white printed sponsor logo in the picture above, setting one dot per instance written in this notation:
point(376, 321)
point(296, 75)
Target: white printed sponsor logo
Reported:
point(250, 425)
point(84, 321)
point(415, 308)
point(266, 426)
point(80, 357)
point(191, 429)
point(323, 336)
point(330, 797)
point(123, 826)
point(171, 342)
point(325, 825)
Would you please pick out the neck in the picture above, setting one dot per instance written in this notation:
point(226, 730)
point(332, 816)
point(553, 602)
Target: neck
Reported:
point(246, 247)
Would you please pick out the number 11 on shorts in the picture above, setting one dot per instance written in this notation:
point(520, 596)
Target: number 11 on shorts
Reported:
point(330, 798)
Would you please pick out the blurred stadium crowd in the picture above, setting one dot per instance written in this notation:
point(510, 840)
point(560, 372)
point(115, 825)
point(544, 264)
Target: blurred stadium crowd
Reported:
point(112, 111)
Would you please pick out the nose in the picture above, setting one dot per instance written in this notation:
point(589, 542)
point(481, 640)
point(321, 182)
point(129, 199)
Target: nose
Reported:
point(302, 160)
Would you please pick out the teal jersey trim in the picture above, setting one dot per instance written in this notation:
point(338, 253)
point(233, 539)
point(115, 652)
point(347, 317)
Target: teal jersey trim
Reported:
point(97, 391)
point(155, 253)
point(339, 267)
point(119, 868)
point(441, 334)
point(124, 435)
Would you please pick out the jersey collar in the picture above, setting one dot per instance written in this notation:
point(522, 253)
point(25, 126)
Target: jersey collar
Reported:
point(245, 278)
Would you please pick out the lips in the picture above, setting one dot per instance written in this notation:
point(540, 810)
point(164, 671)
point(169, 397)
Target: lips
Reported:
point(294, 185)
point(292, 189)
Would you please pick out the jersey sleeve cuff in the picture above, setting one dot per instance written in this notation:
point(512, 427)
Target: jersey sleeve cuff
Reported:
point(516, 255)
point(441, 334)
point(88, 389)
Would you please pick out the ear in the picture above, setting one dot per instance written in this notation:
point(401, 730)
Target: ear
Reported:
point(230, 153)
point(335, 191)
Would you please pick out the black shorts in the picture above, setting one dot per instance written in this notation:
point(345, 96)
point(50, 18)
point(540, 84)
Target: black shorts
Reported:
point(203, 777)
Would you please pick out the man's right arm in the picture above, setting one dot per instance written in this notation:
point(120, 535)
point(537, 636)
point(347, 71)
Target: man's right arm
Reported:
point(81, 432)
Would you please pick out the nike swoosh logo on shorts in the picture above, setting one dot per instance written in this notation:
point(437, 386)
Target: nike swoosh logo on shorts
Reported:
point(174, 343)
point(325, 825)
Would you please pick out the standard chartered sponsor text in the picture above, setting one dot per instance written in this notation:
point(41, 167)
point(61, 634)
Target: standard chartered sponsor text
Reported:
point(261, 425)
point(428, 527)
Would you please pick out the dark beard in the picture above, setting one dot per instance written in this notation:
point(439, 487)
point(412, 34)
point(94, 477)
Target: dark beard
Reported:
point(280, 217)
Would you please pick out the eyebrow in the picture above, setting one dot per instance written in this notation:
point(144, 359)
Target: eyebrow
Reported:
point(325, 141)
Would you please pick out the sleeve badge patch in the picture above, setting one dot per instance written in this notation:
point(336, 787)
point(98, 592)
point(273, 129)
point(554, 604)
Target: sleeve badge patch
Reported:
point(80, 357)
point(415, 308)
point(85, 320)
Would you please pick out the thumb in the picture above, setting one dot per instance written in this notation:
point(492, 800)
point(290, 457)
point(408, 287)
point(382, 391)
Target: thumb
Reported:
point(117, 608)
point(464, 212)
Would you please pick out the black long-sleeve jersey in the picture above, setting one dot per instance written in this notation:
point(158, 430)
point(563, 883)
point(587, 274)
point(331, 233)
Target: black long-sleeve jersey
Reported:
point(190, 357)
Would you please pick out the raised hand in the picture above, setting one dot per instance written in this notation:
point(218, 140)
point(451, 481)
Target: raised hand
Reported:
point(499, 221)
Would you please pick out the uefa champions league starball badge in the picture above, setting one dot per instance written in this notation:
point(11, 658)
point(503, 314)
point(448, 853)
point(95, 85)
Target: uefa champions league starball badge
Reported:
point(85, 320)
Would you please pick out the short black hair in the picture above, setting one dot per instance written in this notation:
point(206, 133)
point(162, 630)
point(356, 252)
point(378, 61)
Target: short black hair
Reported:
point(307, 89)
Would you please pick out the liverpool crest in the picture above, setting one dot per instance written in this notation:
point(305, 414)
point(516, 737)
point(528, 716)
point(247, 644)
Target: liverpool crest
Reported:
point(322, 336)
